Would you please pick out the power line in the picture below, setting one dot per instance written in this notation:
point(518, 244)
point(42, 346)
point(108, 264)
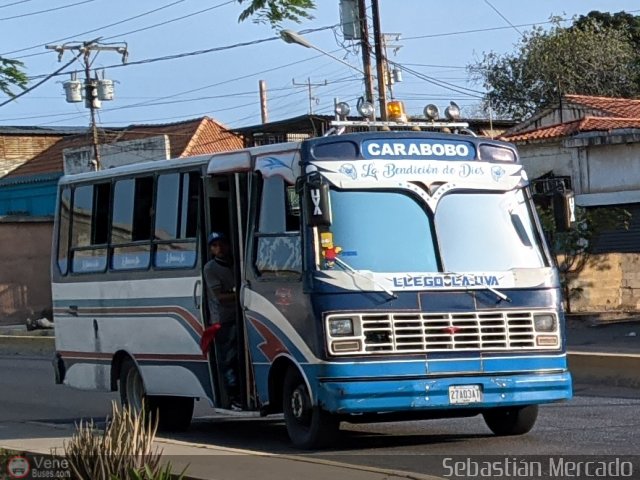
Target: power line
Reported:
point(195, 115)
point(199, 52)
point(503, 17)
point(46, 11)
point(446, 85)
point(479, 30)
point(30, 89)
point(89, 31)
point(15, 3)
point(234, 79)
point(433, 66)
point(146, 103)
point(172, 20)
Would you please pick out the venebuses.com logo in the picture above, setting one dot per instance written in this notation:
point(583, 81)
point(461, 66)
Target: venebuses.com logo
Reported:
point(18, 467)
point(35, 466)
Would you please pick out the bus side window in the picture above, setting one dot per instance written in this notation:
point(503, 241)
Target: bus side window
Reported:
point(278, 250)
point(63, 230)
point(131, 224)
point(176, 220)
point(90, 227)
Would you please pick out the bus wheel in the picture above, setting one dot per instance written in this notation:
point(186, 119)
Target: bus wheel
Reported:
point(172, 413)
point(511, 420)
point(307, 426)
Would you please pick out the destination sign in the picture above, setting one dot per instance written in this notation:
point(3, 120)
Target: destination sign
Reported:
point(424, 149)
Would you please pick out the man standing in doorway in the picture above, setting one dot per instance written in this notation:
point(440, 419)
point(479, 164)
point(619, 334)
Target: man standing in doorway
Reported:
point(220, 281)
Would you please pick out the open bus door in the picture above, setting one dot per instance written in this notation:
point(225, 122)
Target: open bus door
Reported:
point(225, 212)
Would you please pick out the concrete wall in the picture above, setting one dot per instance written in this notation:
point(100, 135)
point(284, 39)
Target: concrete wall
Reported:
point(612, 168)
point(540, 158)
point(610, 282)
point(25, 251)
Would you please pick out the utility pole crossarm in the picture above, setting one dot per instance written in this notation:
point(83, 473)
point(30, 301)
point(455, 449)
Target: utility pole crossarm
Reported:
point(91, 96)
point(310, 86)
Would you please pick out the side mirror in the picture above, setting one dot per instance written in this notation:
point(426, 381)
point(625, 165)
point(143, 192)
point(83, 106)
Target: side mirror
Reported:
point(564, 210)
point(316, 202)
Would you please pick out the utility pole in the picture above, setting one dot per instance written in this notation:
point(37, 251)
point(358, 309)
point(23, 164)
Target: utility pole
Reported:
point(92, 92)
point(264, 113)
point(366, 51)
point(309, 87)
point(380, 59)
point(391, 75)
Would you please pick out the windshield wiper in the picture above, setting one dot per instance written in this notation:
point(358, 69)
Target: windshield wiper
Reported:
point(498, 294)
point(353, 272)
point(501, 296)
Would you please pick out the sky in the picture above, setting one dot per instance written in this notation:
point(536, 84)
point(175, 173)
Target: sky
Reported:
point(437, 41)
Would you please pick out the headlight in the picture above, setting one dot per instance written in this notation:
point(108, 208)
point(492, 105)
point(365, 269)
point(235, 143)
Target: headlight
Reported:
point(341, 327)
point(544, 322)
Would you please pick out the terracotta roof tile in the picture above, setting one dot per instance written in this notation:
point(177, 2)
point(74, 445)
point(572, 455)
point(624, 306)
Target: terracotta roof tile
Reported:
point(212, 137)
point(612, 107)
point(587, 124)
point(192, 137)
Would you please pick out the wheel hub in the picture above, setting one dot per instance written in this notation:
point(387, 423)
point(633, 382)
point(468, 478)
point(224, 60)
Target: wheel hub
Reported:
point(298, 405)
point(135, 390)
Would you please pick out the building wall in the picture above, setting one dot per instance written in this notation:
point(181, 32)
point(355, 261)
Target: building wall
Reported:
point(25, 250)
point(612, 168)
point(611, 282)
point(17, 149)
point(35, 199)
point(540, 158)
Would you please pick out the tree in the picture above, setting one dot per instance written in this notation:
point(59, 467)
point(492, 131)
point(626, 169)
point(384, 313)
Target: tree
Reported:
point(622, 21)
point(11, 75)
point(275, 12)
point(590, 58)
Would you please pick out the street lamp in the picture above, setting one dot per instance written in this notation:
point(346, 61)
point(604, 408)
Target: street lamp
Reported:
point(290, 36)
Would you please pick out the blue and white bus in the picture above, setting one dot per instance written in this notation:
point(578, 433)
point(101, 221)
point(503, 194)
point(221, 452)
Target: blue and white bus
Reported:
point(380, 275)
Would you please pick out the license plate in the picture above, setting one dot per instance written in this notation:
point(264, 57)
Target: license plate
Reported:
point(463, 394)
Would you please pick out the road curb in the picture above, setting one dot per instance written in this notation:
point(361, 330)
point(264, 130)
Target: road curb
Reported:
point(27, 345)
point(615, 369)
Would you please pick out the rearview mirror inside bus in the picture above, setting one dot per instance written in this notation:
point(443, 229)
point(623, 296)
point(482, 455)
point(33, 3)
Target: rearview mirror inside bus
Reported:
point(316, 201)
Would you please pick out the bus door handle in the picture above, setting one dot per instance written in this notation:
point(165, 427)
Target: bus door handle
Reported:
point(197, 294)
point(73, 310)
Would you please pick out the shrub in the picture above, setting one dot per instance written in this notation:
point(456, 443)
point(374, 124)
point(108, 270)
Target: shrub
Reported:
point(124, 451)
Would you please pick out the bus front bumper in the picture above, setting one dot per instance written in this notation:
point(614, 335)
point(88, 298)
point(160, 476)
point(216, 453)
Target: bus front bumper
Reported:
point(401, 395)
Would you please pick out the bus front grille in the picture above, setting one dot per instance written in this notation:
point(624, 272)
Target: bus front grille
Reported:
point(441, 332)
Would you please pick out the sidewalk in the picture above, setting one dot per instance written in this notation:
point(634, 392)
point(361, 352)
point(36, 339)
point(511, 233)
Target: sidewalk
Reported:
point(605, 351)
point(206, 462)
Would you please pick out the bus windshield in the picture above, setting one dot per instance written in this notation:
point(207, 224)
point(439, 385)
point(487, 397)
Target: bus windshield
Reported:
point(390, 231)
point(383, 231)
point(487, 232)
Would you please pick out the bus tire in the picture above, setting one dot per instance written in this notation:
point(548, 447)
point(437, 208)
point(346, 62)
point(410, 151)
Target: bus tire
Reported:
point(504, 421)
point(308, 426)
point(172, 413)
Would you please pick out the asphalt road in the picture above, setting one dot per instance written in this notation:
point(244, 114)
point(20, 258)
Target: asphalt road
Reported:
point(598, 421)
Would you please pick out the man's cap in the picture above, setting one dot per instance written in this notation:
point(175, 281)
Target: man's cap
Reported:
point(216, 237)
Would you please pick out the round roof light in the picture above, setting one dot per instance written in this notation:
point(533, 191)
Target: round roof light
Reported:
point(342, 109)
point(366, 109)
point(431, 112)
point(452, 112)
